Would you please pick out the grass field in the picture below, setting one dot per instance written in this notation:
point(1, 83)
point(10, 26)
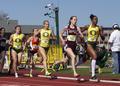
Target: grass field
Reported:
point(106, 72)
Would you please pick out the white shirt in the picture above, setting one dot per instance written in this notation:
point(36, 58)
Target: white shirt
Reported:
point(115, 40)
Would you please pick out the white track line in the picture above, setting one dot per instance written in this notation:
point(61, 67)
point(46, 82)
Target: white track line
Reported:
point(109, 81)
point(43, 81)
point(69, 78)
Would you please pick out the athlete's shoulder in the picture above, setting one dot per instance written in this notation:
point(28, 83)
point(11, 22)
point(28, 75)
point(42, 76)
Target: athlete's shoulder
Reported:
point(30, 38)
point(100, 27)
point(41, 29)
point(22, 34)
point(77, 27)
point(66, 27)
point(12, 35)
point(49, 28)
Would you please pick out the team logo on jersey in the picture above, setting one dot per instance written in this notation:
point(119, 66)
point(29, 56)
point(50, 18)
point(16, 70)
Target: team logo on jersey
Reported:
point(18, 40)
point(93, 32)
point(45, 34)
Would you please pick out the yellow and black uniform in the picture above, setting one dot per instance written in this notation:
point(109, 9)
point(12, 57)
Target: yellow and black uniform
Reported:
point(45, 38)
point(92, 35)
point(17, 42)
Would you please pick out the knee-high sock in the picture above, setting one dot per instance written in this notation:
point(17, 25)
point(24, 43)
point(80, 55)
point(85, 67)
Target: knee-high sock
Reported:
point(93, 66)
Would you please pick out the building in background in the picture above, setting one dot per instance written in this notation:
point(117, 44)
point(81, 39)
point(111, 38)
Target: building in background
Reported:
point(10, 25)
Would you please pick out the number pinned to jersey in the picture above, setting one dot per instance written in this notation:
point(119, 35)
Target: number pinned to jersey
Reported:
point(71, 38)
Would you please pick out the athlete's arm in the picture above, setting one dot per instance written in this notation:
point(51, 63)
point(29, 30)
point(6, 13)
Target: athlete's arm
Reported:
point(53, 35)
point(23, 42)
point(101, 33)
point(61, 35)
point(28, 41)
point(80, 34)
point(39, 31)
point(11, 40)
point(84, 28)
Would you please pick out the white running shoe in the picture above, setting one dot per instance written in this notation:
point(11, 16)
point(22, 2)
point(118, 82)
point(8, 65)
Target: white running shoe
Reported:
point(16, 75)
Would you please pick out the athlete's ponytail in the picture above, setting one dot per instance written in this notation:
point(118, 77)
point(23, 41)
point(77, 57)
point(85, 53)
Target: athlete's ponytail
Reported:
point(92, 16)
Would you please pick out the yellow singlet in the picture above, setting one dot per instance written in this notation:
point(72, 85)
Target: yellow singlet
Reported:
point(93, 33)
point(17, 41)
point(45, 37)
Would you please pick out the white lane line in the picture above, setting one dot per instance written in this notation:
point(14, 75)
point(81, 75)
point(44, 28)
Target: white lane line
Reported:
point(69, 78)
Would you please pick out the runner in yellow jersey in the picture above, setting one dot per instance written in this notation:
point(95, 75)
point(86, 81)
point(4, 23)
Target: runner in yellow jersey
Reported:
point(93, 32)
point(45, 35)
point(17, 43)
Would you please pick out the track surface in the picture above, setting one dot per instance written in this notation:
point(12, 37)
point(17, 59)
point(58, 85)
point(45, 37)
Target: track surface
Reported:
point(37, 81)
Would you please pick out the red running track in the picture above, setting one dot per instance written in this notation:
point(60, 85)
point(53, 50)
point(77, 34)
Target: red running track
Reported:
point(37, 81)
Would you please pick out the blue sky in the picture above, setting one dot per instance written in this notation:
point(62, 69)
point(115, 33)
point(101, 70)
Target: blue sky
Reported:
point(32, 11)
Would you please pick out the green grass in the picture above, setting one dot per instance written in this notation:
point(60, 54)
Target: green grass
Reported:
point(107, 72)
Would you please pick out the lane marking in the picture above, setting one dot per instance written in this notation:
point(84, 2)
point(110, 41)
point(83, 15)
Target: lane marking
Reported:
point(70, 78)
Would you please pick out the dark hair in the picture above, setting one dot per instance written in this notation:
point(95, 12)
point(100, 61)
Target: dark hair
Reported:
point(71, 19)
point(92, 16)
point(33, 29)
point(1, 28)
point(18, 26)
point(45, 21)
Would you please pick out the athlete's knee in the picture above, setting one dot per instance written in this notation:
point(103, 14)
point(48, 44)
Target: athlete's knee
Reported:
point(19, 62)
point(14, 61)
point(65, 61)
point(94, 56)
point(44, 59)
point(73, 57)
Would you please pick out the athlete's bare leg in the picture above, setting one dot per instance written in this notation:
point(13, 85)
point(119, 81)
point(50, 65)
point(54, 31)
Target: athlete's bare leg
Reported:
point(14, 58)
point(93, 55)
point(2, 58)
point(44, 56)
point(72, 56)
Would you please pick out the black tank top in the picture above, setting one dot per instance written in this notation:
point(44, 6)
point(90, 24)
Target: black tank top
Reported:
point(2, 41)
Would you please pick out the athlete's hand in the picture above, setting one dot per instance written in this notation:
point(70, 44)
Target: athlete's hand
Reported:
point(63, 42)
point(10, 44)
point(109, 50)
point(23, 48)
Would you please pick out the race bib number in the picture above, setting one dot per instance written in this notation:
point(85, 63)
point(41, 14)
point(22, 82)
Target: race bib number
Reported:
point(45, 41)
point(35, 47)
point(92, 39)
point(18, 47)
point(71, 38)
